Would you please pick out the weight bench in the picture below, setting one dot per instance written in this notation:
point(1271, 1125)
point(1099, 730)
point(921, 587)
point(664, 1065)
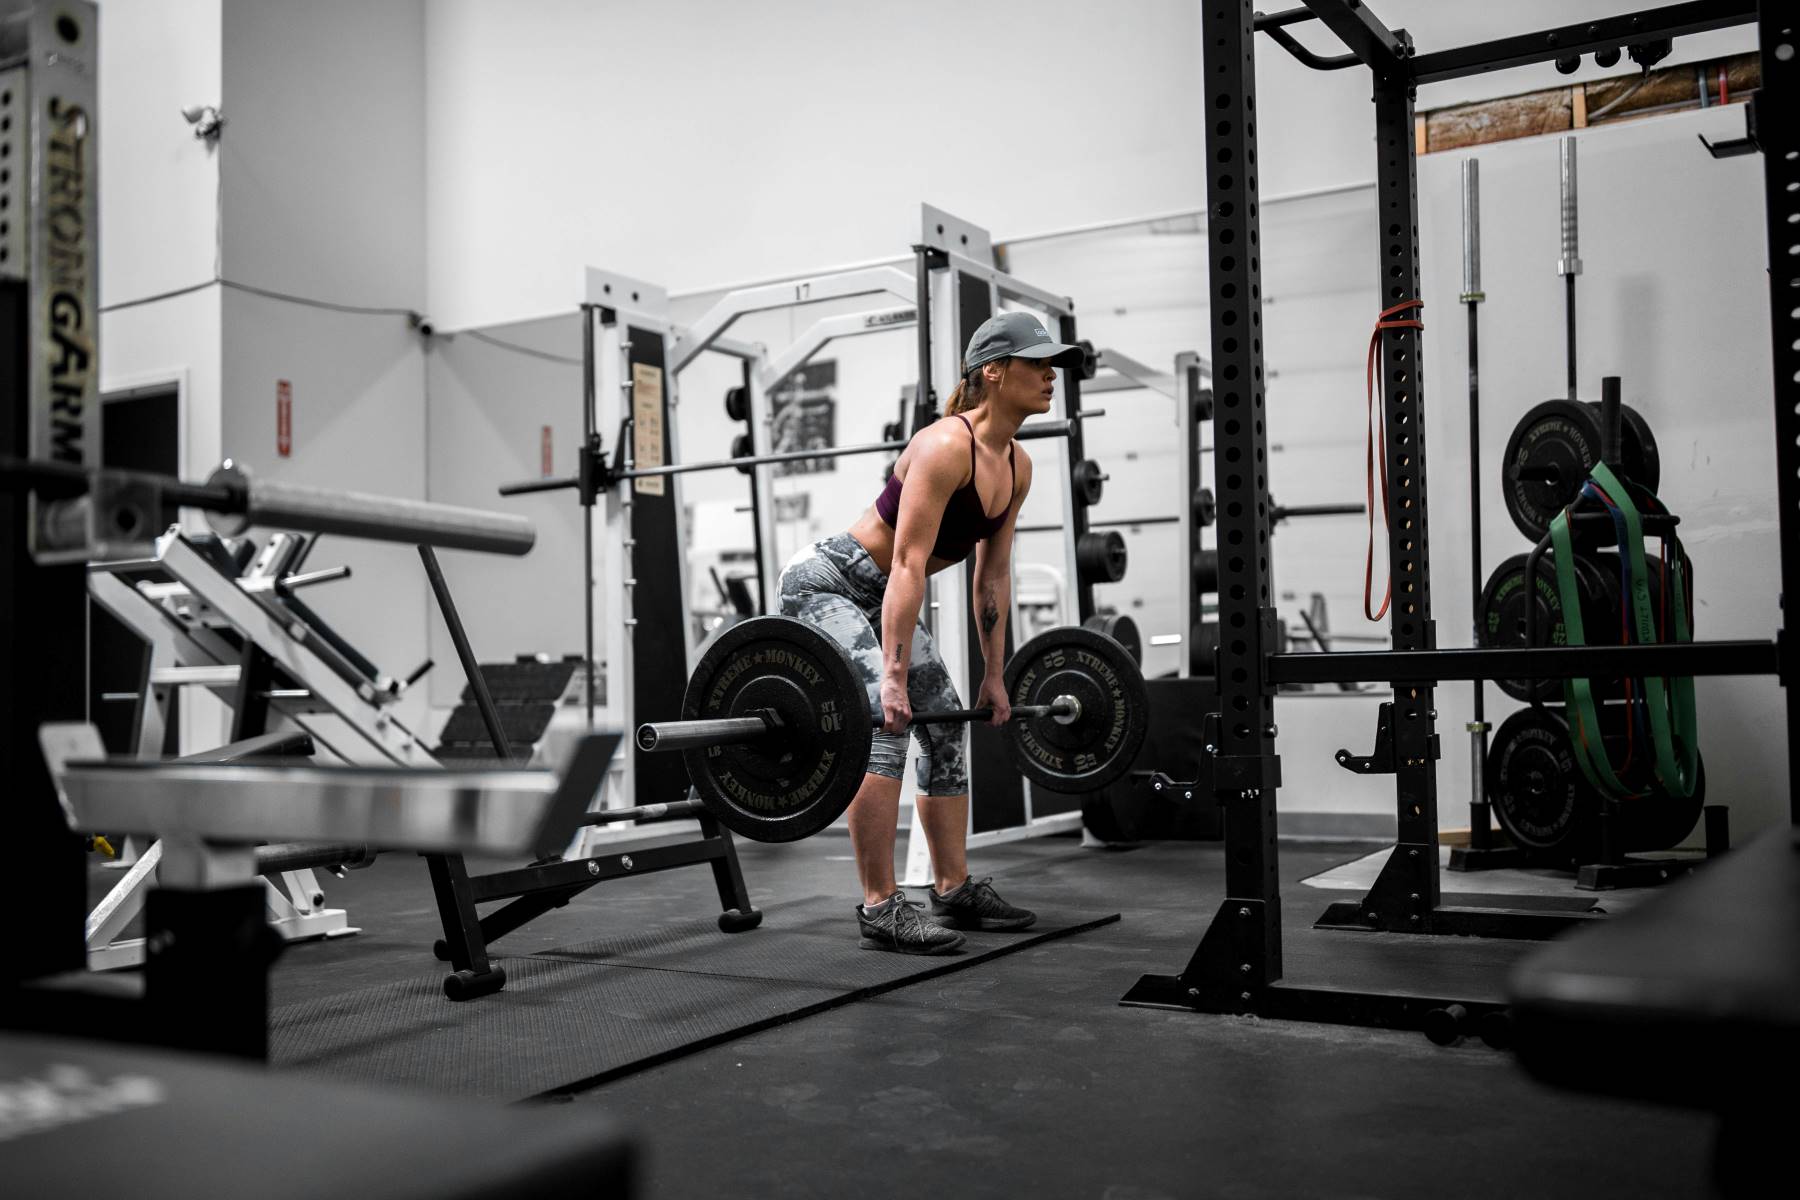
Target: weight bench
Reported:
point(1685, 1000)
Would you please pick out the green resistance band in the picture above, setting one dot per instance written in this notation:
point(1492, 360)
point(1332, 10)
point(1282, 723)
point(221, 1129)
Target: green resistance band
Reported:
point(1670, 702)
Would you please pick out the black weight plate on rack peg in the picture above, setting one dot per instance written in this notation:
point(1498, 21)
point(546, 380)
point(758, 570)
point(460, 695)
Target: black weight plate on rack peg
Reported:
point(1206, 507)
point(1121, 629)
point(1099, 745)
point(1090, 360)
point(799, 779)
point(737, 402)
point(1089, 480)
point(743, 447)
point(1504, 612)
point(1563, 435)
point(1100, 556)
point(1536, 787)
point(1203, 649)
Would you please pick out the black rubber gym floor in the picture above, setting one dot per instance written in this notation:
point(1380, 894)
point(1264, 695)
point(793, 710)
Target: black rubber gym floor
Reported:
point(1020, 1074)
point(574, 1016)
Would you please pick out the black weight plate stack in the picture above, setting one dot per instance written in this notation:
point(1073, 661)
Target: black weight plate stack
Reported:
point(1536, 787)
point(743, 447)
point(1550, 809)
point(799, 779)
point(1098, 746)
point(1504, 612)
point(1561, 437)
point(1100, 556)
point(1121, 629)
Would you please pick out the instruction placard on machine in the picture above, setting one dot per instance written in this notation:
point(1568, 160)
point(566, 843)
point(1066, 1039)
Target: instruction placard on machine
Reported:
point(647, 424)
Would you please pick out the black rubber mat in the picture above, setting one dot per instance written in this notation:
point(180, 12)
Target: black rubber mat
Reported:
point(816, 946)
point(1575, 903)
point(573, 1017)
point(1451, 968)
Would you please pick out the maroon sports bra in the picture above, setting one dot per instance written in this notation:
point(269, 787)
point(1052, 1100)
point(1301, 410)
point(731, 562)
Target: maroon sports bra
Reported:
point(965, 520)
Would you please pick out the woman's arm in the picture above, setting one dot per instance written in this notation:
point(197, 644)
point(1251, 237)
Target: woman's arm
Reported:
point(991, 596)
point(937, 466)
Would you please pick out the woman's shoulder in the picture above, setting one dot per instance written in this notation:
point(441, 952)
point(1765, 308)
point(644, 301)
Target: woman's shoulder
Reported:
point(941, 449)
point(944, 434)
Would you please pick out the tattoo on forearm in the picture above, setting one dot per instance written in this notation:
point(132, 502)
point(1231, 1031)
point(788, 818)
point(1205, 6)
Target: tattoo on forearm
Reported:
point(899, 654)
point(990, 616)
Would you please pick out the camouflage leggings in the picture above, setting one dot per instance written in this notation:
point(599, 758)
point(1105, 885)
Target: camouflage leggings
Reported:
point(834, 585)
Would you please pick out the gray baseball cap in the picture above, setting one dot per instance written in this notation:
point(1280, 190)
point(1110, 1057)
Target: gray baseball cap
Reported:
point(1017, 335)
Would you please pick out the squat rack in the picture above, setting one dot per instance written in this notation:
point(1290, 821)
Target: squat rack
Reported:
point(1237, 965)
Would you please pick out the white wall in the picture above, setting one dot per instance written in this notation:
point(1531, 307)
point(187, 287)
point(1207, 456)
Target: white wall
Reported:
point(359, 425)
point(323, 181)
point(488, 406)
point(702, 141)
point(159, 184)
point(324, 150)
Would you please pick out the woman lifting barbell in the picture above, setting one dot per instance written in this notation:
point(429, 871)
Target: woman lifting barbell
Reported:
point(864, 588)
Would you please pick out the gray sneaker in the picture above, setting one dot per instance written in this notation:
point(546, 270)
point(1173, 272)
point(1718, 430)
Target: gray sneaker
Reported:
point(974, 904)
point(896, 925)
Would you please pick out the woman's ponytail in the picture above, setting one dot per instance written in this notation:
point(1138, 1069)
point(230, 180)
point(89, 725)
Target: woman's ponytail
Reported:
point(970, 391)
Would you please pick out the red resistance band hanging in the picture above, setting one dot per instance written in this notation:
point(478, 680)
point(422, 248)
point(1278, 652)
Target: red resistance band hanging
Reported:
point(1377, 430)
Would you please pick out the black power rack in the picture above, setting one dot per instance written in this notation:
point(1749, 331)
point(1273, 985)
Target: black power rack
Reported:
point(1237, 965)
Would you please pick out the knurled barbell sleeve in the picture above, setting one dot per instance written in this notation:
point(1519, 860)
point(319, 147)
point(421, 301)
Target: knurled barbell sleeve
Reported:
point(697, 735)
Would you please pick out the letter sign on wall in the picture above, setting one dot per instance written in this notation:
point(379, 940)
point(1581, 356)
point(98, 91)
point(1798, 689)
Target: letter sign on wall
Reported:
point(284, 418)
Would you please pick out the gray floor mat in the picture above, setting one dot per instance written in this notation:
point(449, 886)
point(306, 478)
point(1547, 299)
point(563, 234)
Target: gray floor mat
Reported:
point(571, 1018)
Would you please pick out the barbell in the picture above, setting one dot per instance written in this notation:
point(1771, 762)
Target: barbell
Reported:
point(776, 724)
point(597, 474)
point(687, 735)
